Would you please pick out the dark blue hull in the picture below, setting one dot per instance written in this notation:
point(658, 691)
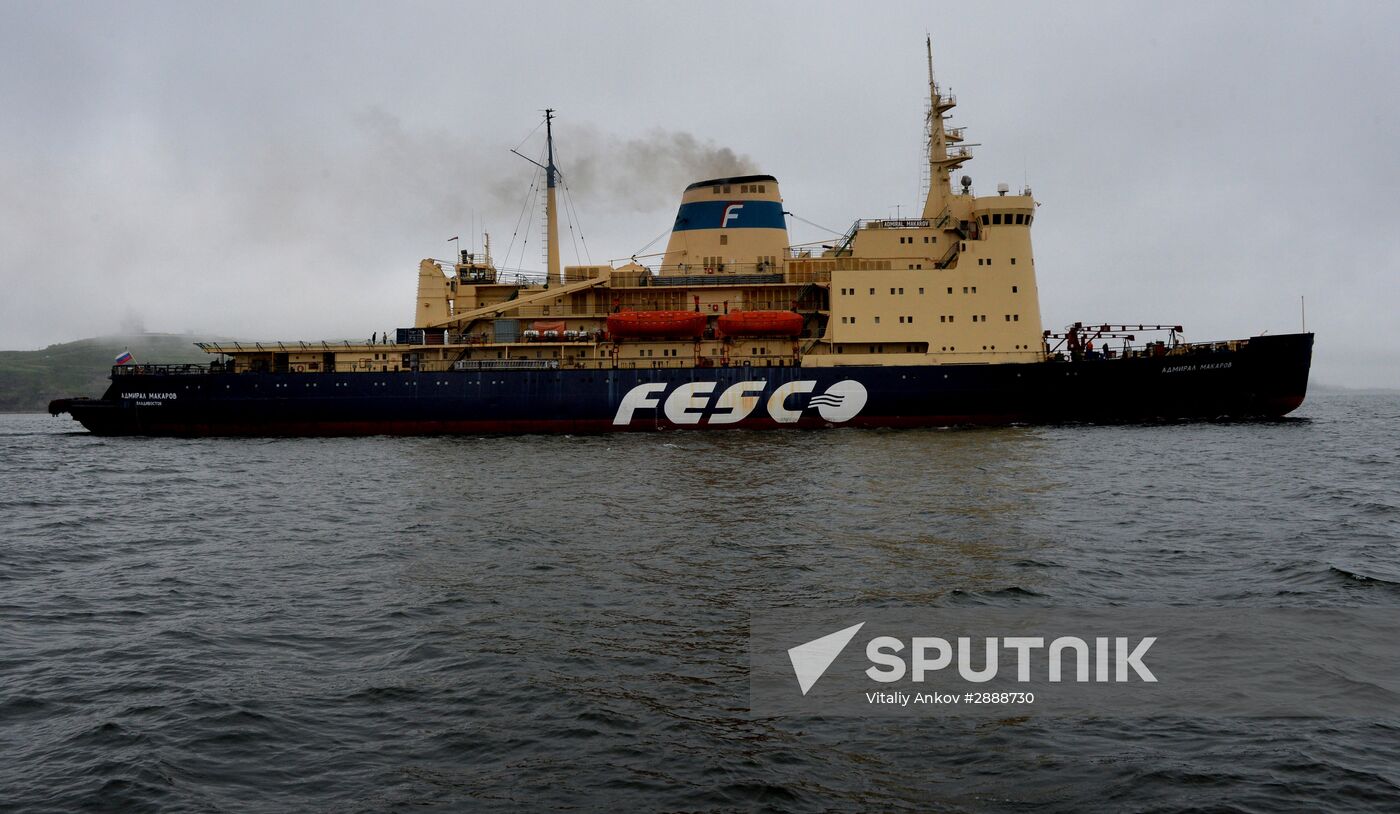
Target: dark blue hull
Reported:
point(1267, 377)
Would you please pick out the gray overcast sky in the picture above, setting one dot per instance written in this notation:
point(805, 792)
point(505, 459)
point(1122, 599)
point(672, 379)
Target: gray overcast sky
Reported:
point(276, 170)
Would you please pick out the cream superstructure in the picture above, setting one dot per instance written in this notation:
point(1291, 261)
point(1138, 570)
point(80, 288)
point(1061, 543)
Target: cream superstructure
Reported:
point(954, 286)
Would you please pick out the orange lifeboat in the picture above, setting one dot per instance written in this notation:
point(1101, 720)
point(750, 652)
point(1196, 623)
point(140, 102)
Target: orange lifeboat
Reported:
point(760, 323)
point(687, 324)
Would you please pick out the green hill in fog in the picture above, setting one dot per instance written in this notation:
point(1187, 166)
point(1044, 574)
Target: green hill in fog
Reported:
point(29, 379)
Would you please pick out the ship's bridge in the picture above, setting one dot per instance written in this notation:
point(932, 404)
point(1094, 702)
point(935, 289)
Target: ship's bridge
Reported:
point(725, 222)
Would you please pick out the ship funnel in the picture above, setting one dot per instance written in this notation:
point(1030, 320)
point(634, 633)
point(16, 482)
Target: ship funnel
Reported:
point(728, 226)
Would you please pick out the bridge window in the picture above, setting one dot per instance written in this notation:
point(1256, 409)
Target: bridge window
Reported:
point(1020, 219)
point(986, 220)
point(996, 219)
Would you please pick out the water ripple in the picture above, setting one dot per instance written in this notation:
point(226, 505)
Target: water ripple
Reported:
point(561, 623)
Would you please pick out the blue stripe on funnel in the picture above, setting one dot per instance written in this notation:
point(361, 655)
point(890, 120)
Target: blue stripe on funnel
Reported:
point(730, 215)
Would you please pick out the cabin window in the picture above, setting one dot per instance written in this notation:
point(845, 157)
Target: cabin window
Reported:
point(726, 189)
point(1015, 317)
point(964, 289)
point(891, 290)
point(910, 320)
point(877, 320)
point(872, 291)
point(1028, 219)
point(942, 318)
point(1013, 261)
point(762, 187)
point(921, 290)
point(717, 189)
point(950, 289)
point(901, 291)
point(974, 289)
point(724, 240)
point(1013, 289)
point(1008, 317)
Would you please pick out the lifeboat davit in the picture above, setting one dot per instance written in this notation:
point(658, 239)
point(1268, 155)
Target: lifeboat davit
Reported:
point(760, 323)
point(687, 324)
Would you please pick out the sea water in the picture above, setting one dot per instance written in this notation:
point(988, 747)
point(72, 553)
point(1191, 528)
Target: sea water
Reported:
point(552, 622)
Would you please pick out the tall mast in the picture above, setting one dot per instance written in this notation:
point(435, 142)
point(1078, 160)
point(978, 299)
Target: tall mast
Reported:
point(555, 276)
point(941, 161)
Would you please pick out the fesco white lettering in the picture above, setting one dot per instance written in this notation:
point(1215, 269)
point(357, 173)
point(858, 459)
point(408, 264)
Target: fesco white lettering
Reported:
point(692, 402)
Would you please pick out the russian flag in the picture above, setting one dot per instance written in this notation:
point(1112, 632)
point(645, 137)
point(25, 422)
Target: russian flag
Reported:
point(124, 357)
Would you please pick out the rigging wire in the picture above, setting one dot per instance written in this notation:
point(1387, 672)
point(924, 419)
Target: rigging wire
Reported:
point(651, 243)
point(531, 133)
point(572, 211)
point(529, 199)
point(818, 225)
point(574, 218)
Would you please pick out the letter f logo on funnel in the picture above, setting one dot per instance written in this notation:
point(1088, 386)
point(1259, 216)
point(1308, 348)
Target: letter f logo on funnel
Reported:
point(731, 212)
point(810, 660)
